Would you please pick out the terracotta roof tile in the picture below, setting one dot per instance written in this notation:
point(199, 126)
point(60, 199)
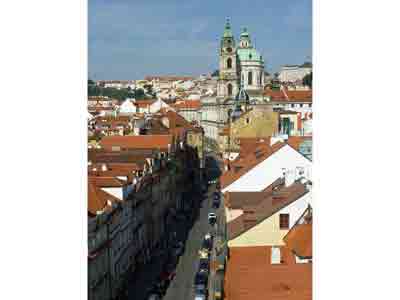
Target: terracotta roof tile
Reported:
point(289, 96)
point(102, 181)
point(295, 141)
point(299, 240)
point(187, 104)
point(137, 142)
point(250, 275)
point(144, 103)
point(98, 200)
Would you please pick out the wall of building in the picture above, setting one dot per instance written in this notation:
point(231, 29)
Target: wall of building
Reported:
point(254, 124)
point(292, 74)
point(268, 232)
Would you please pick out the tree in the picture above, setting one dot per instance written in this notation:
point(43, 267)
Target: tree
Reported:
point(307, 80)
point(215, 73)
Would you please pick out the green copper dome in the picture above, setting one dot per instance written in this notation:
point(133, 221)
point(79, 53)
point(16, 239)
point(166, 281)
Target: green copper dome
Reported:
point(244, 32)
point(249, 54)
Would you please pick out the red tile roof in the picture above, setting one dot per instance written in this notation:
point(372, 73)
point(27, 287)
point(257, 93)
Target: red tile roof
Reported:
point(250, 275)
point(144, 103)
point(289, 96)
point(114, 169)
point(102, 181)
point(299, 237)
point(187, 104)
point(295, 141)
point(299, 240)
point(137, 142)
point(98, 199)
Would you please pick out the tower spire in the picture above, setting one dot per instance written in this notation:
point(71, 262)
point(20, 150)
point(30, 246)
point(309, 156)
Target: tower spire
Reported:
point(227, 29)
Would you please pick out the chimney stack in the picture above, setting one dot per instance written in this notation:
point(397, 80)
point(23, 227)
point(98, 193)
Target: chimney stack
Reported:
point(290, 176)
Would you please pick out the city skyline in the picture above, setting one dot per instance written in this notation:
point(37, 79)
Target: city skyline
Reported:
point(132, 39)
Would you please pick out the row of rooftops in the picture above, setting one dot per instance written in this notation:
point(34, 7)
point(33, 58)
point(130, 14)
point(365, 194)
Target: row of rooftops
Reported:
point(120, 161)
point(252, 271)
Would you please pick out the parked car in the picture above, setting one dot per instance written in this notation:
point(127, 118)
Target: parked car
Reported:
point(212, 218)
point(215, 203)
point(201, 279)
point(199, 297)
point(207, 244)
point(204, 266)
point(201, 292)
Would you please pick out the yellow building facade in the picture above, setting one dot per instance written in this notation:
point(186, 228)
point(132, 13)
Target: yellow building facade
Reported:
point(256, 123)
point(266, 233)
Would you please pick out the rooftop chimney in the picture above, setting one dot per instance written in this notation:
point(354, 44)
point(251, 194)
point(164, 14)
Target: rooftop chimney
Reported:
point(290, 176)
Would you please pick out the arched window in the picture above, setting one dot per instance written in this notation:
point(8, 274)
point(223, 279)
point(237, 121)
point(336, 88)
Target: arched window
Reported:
point(250, 78)
point(229, 63)
point(230, 88)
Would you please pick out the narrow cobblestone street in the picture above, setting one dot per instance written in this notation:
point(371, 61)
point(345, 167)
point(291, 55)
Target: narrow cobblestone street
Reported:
point(192, 234)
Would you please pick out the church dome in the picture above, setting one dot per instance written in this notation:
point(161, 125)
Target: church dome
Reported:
point(244, 33)
point(249, 54)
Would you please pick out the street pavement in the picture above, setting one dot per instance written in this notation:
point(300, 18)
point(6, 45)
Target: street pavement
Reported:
point(181, 288)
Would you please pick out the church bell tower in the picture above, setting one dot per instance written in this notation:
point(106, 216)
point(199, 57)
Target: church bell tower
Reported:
point(227, 86)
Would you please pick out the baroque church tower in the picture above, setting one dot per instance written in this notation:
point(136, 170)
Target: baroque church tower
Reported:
point(228, 83)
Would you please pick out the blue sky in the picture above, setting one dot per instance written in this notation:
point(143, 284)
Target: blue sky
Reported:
point(129, 39)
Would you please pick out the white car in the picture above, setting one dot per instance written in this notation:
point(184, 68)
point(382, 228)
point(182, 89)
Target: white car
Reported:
point(212, 218)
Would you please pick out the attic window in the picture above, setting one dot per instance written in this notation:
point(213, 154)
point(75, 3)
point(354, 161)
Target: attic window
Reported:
point(284, 221)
